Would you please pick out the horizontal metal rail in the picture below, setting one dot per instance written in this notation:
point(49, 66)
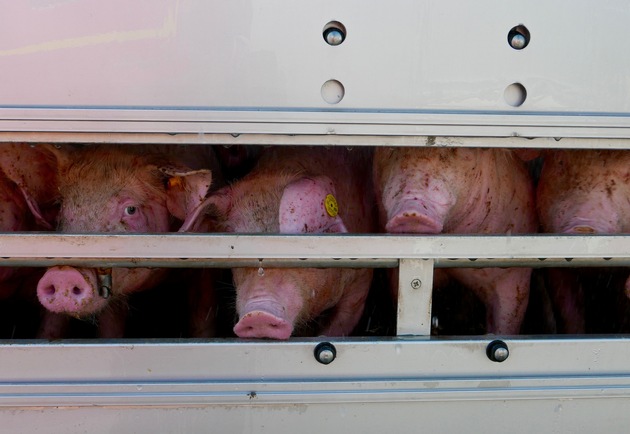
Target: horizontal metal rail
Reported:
point(295, 121)
point(353, 251)
point(313, 140)
point(244, 373)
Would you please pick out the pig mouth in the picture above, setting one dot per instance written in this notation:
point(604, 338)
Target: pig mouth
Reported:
point(597, 224)
point(582, 230)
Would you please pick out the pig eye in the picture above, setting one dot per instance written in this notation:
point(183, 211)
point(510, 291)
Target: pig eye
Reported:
point(130, 210)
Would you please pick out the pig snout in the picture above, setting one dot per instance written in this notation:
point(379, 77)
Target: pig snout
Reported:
point(578, 225)
point(263, 319)
point(70, 290)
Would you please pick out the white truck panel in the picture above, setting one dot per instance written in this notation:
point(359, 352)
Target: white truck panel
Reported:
point(406, 67)
point(432, 73)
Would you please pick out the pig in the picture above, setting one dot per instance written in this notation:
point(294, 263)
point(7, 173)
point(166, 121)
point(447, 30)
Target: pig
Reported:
point(122, 189)
point(299, 190)
point(425, 190)
point(581, 192)
point(27, 185)
point(14, 216)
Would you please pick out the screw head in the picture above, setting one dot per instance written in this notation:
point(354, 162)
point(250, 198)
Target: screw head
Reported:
point(518, 41)
point(325, 353)
point(497, 351)
point(416, 283)
point(518, 37)
point(334, 36)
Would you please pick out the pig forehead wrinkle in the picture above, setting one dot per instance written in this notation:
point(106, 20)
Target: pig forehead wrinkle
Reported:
point(89, 209)
point(255, 203)
point(256, 213)
point(99, 184)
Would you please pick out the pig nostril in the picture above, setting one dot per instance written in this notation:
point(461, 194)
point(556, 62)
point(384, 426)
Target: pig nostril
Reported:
point(49, 290)
point(77, 291)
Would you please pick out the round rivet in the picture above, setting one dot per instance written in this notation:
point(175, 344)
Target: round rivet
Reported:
point(334, 36)
point(325, 353)
point(334, 33)
point(515, 94)
point(518, 41)
point(497, 351)
point(518, 37)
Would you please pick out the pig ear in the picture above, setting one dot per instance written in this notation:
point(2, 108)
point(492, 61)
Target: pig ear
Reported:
point(34, 169)
point(308, 205)
point(185, 193)
point(216, 209)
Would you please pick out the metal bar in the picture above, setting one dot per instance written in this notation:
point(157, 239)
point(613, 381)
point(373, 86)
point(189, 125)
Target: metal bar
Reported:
point(308, 262)
point(201, 121)
point(309, 392)
point(265, 362)
point(455, 129)
point(415, 287)
point(447, 250)
point(312, 140)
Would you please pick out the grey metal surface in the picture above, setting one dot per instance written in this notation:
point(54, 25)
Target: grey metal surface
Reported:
point(240, 72)
point(415, 288)
point(202, 66)
point(221, 250)
point(255, 386)
point(350, 141)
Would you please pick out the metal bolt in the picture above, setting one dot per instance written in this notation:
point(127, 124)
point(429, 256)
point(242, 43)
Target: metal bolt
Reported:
point(518, 37)
point(518, 41)
point(497, 351)
point(416, 283)
point(325, 353)
point(334, 36)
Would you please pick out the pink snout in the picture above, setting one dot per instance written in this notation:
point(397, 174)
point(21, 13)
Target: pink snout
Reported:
point(263, 319)
point(70, 290)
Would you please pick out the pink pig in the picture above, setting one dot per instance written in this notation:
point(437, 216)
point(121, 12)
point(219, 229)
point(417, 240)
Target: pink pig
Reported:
point(24, 171)
point(121, 189)
point(462, 191)
point(581, 192)
point(27, 190)
point(299, 190)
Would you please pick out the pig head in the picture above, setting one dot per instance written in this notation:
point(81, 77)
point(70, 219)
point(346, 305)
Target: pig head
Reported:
point(118, 189)
point(298, 191)
point(462, 191)
point(583, 192)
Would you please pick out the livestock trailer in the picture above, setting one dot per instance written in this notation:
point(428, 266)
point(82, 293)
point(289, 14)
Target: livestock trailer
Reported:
point(535, 75)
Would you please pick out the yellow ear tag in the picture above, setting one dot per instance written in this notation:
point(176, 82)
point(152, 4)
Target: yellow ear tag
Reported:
point(174, 181)
point(331, 205)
